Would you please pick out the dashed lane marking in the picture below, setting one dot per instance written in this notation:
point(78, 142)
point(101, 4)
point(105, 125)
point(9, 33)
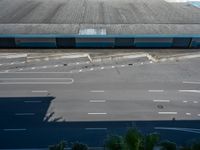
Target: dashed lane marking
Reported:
point(185, 101)
point(14, 129)
point(42, 91)
point(97, 101)
point(156, 91)
point(95, 128)
point(189, 91)
point(97, 91)
point(188, 114)
point(190, 82)
point(162, 101)
point(167, 113)
point(25, 114)
point(97, 113)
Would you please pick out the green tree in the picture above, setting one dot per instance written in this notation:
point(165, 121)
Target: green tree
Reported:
point(134, 139)
point(167, 145)
point(79, 146)
point(151, 140)
point(196, 145)
point(59, 146)
point(114, 142)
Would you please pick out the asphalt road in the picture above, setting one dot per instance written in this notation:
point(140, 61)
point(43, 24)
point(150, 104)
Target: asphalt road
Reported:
point(45, 104)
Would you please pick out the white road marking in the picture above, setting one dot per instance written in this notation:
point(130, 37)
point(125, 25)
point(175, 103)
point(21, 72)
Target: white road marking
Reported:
point(55, 65)
point(185, 101)
point(95, 128)
point(25, 114)
point(80, 70)
point(122, 65)
point(42, 91)
point(10, 83)
point(32, 101)
point(20, 69)
point(77, 63)
point(91, 69)
point(189, 91)
point(97, 113)
point(192, 130)
point(14, 129)
point(155, 90)
point(97, 91)
point(195, 102)
point(6, 72)
point(167, 113)
point(188, 114)
point(97, 101)
point(33, 68)
point(162, 101)
point(113, 66)
point(191, 82)
point(198, 115)
point(44, 66)
point(102, 67)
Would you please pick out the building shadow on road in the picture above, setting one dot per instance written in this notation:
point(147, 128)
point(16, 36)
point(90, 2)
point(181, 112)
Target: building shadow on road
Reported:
point(26, 122)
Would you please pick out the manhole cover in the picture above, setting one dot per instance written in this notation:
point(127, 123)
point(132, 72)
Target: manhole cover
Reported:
point(160, 106)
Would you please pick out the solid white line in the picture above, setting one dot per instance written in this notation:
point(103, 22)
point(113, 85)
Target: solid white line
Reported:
point(32, 101)
point(6, 72)
point(44, 91)
point(24, 114)
point(191, 82)
point(190, 91)
point(97, 101)
point(155, 90)
point(97, 91)
point(162, 101)
point(36, 79)
point(95, 128)
point(14, 129)
point(97, 113)
point(9, 83)
point(167, 113)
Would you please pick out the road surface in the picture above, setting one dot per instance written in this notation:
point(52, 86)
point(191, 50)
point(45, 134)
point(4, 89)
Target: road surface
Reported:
point(41, 105)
